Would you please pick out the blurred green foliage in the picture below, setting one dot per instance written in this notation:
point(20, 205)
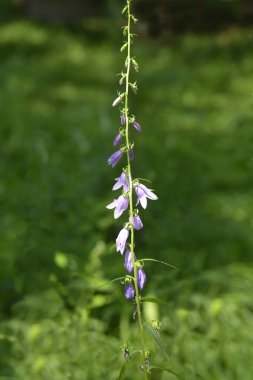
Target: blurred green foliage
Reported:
point(57, 128)
point(159, 18)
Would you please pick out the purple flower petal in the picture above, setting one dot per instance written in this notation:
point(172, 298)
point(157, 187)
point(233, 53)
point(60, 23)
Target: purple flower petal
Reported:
point(137, 126)
point(122, 119)
point(121, 240)
point(141, 196)
point(112, 205)
point(143, 193)
point(114, 158)
point(141, 278)
point(138, 225)
point(122, 205)
point(129, 291)
point(131, 154)
point(148, 192)
point(128, 261)
point(117, 139)
point(122, 181)
point(116, 101)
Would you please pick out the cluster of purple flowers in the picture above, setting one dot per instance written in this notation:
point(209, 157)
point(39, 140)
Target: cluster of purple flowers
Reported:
point(115, 157)
point(121, 204)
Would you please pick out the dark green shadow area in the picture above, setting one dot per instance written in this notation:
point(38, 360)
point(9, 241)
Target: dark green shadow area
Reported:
point(57, 128)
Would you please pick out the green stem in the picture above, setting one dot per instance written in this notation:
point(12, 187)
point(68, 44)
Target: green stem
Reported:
point(131, 208)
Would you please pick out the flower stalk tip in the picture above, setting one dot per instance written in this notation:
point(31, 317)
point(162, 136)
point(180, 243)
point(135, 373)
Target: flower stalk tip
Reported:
point(133, 192)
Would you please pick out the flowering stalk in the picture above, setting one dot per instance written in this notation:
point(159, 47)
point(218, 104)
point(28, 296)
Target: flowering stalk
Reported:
point(134, 284)
point(131, 212)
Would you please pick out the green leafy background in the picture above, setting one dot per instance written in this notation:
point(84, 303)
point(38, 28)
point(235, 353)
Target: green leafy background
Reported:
point(57, 127)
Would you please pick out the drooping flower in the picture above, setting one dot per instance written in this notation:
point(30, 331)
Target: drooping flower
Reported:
point(114, 158)
point(143, 193)
point(137, 222)
point(128, 264)
point(122, 119)
point(129, 291)
point(137, 126)
point(131, 154)
point(121, 240)
point(117, 139)
point(119, 205)
point(122, 181)
point(112, 205)
point(141, 278)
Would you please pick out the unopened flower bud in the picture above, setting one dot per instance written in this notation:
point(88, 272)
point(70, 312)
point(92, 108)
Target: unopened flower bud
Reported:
point(122, 119)
point(129, 291)
point(114, 158)
point(156, 325)
point(135, 64)
point(123, 47)
point(121, 240)
point(117, 100)
point(137, 223)
point(128, 261)
point(141, 278)
point(125, 349)
point(131, 154)
point(137, 126)
point(117, 139)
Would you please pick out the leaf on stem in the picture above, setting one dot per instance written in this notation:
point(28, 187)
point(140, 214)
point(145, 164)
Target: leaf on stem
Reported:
point(108, 282)
point(154, 300)
point(135, 352)
point(167, 369)
point(122, 372)
point(157, 339)
point(161, 262)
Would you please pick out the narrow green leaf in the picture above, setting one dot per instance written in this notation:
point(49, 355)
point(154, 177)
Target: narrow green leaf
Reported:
point(157, 339)
point(122, 372)
point(161, 262)
point(135, 352)
point(108, 282)
point(154, 300)
point(170, 370)
point(143, 179)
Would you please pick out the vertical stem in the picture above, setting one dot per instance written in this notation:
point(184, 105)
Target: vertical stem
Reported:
point(131, 209)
